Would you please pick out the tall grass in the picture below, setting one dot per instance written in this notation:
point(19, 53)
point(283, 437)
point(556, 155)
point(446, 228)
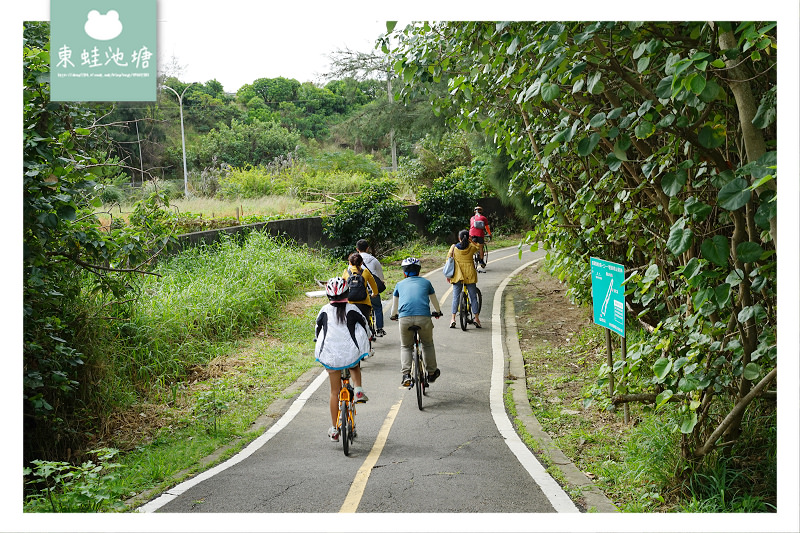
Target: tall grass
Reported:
point(206, 298)
point(220, 207)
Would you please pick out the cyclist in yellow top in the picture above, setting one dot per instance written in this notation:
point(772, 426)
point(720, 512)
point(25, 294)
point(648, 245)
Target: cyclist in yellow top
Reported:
point(465, 272)
point(364, 305)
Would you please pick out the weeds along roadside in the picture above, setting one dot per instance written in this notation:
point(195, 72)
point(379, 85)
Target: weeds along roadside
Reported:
point(165, 379)
point(638, 466)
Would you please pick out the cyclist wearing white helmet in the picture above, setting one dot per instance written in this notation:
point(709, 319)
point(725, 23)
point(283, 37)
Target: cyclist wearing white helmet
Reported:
point(342, 341)
point(411, 301)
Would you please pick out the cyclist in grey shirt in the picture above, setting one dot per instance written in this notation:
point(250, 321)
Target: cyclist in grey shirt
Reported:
point(376, 269)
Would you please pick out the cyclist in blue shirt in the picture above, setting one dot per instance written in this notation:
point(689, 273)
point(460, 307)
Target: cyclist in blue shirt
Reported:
point(412, 298)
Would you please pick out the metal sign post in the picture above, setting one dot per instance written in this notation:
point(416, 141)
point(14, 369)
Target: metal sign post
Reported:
point(608, 297)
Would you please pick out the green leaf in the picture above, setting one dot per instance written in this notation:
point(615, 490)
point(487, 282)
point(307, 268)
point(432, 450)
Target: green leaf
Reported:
point(661, 368)
point(673, 182)
point(692, 268)
point(588, 144)
point(734, 195)
point(717, 250)
point(598, 120)
point(663, 398)
point(734, 277)
point(751, 372)
point(680, 238)
point(651, 274)
point(746, 314)
point(697, 84)
point(644, 129)
point(748, 252)
point(722, 293)
point(711, 137)
point(688, 422)
point(550, 92)
point(390, 24)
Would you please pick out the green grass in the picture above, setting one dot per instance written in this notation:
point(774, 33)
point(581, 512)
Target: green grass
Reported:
point(246, 395)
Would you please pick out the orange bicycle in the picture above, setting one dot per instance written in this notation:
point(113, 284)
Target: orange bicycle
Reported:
point(346, 420)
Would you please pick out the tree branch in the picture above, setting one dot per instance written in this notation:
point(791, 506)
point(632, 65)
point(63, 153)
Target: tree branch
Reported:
point(735, 413)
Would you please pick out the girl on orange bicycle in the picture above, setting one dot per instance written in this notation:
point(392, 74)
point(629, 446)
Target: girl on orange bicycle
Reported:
point(342, 341)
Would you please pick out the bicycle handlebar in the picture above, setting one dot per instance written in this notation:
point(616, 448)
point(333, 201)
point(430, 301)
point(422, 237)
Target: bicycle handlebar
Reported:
point(434, 314)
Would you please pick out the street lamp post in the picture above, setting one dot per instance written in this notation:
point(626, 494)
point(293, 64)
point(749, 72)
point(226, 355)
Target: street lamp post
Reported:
point(183, 138)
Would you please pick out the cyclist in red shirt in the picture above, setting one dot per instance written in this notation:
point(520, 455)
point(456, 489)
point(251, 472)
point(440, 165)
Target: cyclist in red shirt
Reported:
point(478, 230)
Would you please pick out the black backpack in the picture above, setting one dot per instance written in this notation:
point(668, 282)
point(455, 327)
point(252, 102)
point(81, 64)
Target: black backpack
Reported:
point(358, 287)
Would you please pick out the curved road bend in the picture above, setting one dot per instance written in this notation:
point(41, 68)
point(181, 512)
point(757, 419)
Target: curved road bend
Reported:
point(458, 455)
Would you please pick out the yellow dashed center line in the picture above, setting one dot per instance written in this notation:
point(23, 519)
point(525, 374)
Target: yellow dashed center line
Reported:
point(362, 476)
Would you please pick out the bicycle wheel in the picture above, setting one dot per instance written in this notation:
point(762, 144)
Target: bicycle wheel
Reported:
point(463, 310)
point(351, 423)
point(476, 261)
point(480, 299)
point(344, 433)
point(419, 377)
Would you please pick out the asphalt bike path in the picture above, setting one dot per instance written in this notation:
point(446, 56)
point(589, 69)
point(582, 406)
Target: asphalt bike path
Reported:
point(459, 454)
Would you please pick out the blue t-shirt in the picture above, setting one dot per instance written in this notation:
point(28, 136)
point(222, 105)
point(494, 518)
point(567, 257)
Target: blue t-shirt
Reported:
point(413, 296)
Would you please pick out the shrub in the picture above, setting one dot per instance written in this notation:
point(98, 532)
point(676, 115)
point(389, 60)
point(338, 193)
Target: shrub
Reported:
point(373, 215)
point(447, 204)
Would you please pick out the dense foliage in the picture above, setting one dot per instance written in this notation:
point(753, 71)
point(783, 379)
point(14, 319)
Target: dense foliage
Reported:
point(66, 157)
point(655, 144)
point(448, 202)
point(375, 215)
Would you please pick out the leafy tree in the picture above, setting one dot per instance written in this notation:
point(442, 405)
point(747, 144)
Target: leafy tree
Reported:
point(276, 90)
point(246, 144)
point(65, 250)
point(375, 215)
point(447, 203)
point(655, 144)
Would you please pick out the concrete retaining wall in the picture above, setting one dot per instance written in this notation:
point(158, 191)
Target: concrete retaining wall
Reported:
point(309, 230)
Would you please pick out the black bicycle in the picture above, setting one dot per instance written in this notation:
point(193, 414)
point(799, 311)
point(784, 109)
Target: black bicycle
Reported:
point(419, 376)
point(465, 315)
point(476, 257)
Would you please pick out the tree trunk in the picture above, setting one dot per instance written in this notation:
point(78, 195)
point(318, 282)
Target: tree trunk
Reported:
point(754, 143)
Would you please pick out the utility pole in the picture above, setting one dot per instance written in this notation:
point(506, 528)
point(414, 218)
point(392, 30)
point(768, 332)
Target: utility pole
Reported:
point(183, 138)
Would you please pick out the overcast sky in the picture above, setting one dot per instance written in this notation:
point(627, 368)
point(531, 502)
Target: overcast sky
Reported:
point(238, 41)
point(257, 42)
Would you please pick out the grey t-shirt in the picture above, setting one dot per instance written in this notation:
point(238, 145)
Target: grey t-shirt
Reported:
point(372, 264)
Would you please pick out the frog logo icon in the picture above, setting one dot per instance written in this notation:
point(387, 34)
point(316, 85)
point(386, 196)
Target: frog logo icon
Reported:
point(103, 27)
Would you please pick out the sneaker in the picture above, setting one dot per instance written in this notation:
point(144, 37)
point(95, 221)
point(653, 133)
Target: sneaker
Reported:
point(333, 433)
point(432, 377)
point(381, 332)
point(361, 397)
point(406, 380)
point(482, 263)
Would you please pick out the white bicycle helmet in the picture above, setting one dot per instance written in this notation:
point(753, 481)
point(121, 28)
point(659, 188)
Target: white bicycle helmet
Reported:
point(411, 264)
point(336, 289)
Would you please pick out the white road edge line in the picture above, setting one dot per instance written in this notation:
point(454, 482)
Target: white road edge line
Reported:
point(559, 499)
point(295, 408)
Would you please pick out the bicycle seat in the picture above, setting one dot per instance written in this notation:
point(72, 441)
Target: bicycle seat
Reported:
point(414, 328)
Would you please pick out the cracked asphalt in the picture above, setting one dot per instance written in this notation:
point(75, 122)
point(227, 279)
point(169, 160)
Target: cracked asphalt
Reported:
point(448, 458)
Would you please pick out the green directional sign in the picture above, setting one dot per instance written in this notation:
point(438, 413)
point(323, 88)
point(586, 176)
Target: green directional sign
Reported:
point(608, 295)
